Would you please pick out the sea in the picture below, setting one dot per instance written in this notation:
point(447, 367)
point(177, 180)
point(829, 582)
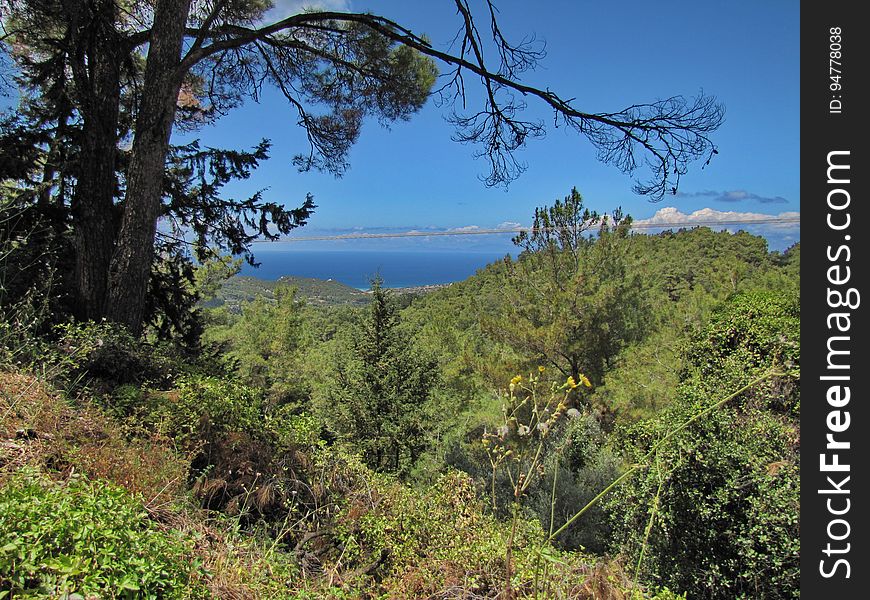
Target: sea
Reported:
point(356, 268)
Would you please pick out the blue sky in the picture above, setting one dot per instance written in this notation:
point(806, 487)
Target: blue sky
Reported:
point(607, 55)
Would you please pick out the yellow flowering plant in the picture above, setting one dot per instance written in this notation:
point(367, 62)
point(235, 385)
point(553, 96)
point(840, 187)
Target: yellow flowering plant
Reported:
point(530, 412)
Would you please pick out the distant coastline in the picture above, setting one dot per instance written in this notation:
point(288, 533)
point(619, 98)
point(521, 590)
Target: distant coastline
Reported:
point(315, 292)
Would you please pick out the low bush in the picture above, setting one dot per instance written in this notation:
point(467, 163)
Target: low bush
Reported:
point(105, 356)
point(90, 538)
point(579, 464)
point(203, 409)
point(387, 540)
point(716, 513)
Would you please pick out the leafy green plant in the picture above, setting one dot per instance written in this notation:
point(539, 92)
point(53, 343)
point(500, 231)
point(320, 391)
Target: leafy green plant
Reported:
point(87, 537)
point(206, 407)
point(730, 477)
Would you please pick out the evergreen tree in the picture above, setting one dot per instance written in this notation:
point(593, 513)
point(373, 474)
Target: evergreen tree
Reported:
point(570, 300)
point(379, 397)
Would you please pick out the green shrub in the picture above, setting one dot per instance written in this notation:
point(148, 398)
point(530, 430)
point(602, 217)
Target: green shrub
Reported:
point(573, 449)
point(583, 465)
point(716, 513)
point(417, 544)
point(104, 356)
point(89, 538)
point(204, 408)
point(292, 430)
point(247, 457)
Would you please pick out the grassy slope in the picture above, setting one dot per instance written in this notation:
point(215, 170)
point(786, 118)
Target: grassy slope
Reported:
point(378, 537)
point(315, 291)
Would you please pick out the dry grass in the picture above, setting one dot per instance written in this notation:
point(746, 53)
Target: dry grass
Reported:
point(241, 566)
point(41, 429)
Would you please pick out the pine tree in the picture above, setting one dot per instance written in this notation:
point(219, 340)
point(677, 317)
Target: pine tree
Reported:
point(569, 301)
point(381, 390)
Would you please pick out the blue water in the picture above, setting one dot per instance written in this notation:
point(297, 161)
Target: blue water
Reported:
point(356, 268)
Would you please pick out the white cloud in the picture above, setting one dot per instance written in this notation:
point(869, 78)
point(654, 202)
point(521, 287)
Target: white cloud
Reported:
point(508, 225)
point(466, 228)
point(671, 217)
point(780, 234)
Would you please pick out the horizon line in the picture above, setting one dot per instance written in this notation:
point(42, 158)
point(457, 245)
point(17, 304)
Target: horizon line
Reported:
point(638, 225)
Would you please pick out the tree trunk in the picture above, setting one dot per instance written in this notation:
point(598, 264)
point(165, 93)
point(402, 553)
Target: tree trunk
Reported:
point(134, 251)
point(93, 212)
point(96, 74)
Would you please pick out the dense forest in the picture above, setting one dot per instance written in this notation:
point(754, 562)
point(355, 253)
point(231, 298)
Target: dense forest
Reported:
point(606, 415)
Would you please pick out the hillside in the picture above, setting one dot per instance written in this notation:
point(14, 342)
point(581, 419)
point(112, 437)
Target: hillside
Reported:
point(319, 292)
point(96, 501)
point(316, 292)
point(500, 437)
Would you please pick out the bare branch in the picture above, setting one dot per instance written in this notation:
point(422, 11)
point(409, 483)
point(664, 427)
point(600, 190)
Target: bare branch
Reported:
point(206, 26)
point(661, 138)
